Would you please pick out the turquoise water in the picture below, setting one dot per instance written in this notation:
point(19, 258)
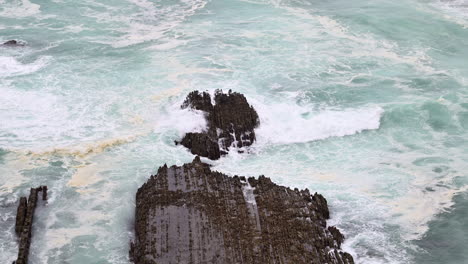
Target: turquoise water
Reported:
point(446, 240)
point(365, 102)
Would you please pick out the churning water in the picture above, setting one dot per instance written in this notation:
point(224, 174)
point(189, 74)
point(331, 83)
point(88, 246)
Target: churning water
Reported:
point(365, 102)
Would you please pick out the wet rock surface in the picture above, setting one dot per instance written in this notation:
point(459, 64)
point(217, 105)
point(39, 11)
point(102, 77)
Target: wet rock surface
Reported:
point(190, 214)
point(231, 123)
point(24, 221)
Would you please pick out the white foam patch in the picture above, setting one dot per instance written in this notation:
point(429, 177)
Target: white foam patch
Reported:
point(180, 120)
point(364, 45)
point(31, 116)
point(9, 66)
point(23, 8)
point(42, 122)
point(282, 123)
point(289, 123)
point(150, 23)
point(453, 10)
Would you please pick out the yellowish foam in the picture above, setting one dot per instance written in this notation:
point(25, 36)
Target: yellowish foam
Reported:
point(86, 149)
point(418, 208)
point(93, 148)
point(86, 175)
point(14, 167)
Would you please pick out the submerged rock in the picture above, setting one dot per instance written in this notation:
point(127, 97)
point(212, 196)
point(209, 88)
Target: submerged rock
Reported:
point(24, 221)
point(231, 123)
point(13, 43)
point(190, 214)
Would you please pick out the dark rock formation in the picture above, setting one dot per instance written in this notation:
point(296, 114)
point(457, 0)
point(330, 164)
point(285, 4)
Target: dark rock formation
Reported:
point(13, 43)
point(44, 193)
point(24, 220)
point(21, 215)
point(190, 214)
point(231, 123)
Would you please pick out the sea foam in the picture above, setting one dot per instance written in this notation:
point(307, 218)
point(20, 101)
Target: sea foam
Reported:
point(289, 123)
point(180, 120)
point(18, 9)
point(9, 66)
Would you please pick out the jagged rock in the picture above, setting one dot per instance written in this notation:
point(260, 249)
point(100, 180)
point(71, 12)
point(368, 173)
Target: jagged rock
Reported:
point(339, 238)
point(24, 221)
point(190, 214)
point(201, 144)
point(231, 123)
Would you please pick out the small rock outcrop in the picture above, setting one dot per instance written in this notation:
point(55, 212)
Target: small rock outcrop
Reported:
point(231, 123)
point(13, 43)
point(190, 214)
point(24, 221)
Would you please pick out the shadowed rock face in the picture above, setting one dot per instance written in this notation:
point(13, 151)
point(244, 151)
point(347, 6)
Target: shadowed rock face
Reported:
point(190, 214)
point(231, 123)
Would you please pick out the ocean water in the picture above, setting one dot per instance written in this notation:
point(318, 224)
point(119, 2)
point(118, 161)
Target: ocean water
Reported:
point(365, 102)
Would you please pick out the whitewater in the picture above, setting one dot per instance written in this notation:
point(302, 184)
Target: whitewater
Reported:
point(366, 100)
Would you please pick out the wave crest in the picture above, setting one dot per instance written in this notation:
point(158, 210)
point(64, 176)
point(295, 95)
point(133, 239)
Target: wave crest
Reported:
point(9, 66)
point(294, 124)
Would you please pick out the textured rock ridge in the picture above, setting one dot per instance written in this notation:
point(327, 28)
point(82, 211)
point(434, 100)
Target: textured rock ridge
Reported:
point(190, 214)
point(24, 221)
point(231, 123)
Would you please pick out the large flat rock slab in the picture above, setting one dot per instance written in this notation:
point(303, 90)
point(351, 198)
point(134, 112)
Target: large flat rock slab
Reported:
point(190, 214)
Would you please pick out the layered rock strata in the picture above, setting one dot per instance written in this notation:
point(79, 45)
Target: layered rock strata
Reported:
point(24, 221)
point(230, 123)
point(190, 214)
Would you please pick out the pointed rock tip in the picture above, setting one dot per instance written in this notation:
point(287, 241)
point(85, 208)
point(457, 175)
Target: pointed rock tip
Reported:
point(162, 168)
point(197, 159)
